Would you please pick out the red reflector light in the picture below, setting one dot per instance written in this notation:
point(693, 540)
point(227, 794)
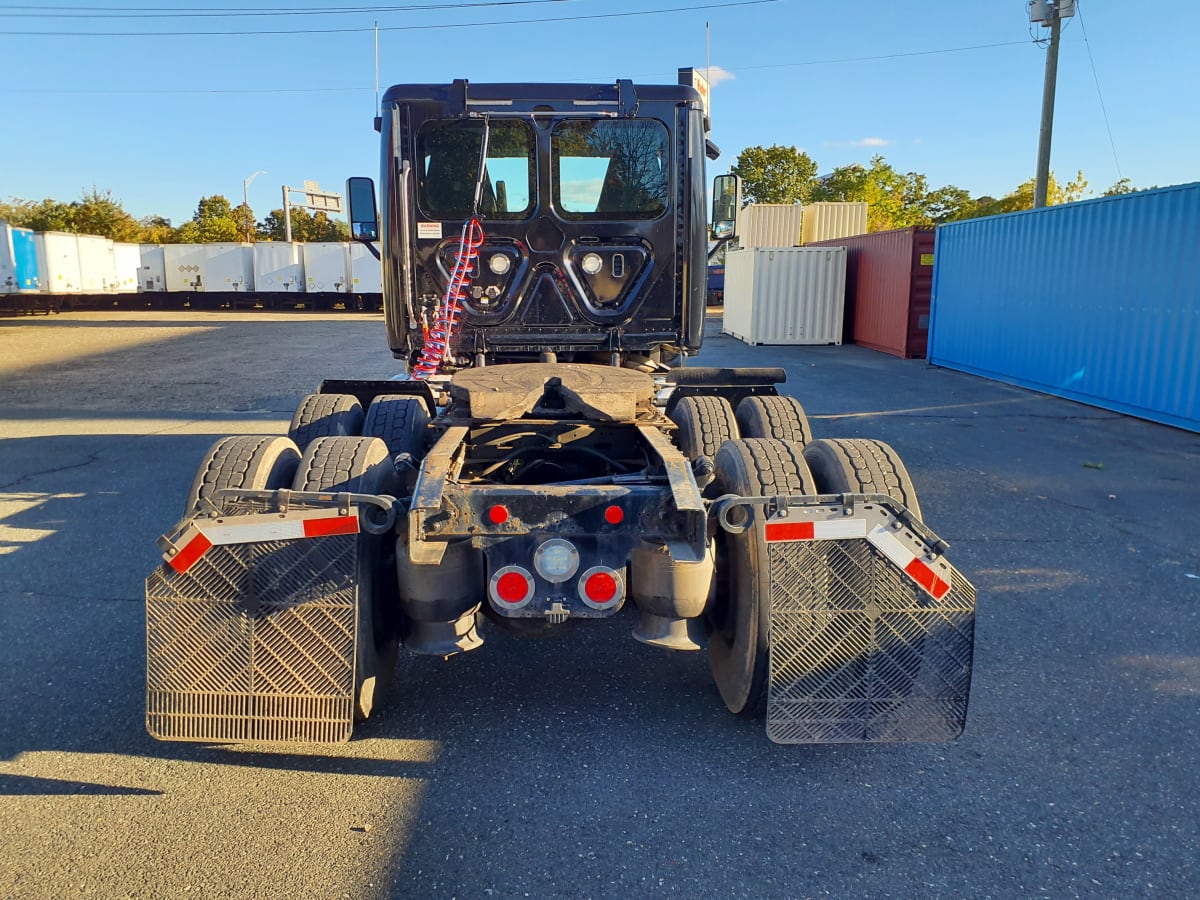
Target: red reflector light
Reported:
point(600, 587)
point(498, 514)
point(614, 515)
point(511, 587)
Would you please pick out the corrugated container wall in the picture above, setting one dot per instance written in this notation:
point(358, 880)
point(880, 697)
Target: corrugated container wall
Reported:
point(785, 295)
point(8, 260)
point(1096, 301)
point(823, 221)
point(889, 277)
point(769, 225)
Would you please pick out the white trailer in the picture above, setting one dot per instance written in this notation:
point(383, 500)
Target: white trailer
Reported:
point(127, 260)
point(278, 267)
point(97, 269)
point(327, 267)
point(58, 262)
point(152, 271)
point(366, 272)
point(209, 268)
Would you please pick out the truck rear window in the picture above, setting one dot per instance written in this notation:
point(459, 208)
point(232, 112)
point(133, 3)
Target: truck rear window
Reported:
point(605, 169)
point(449, 168)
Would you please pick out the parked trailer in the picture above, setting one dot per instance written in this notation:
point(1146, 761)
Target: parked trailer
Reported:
point(18, 260)
point(127, 264)
point(543, 465)
point(58, 262)
point(152, 274)
point(278, 267)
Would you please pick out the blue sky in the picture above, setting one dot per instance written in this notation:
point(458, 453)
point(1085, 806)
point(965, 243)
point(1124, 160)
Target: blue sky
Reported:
point(949, 90)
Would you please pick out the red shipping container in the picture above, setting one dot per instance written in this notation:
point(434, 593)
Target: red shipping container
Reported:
point(889, 277)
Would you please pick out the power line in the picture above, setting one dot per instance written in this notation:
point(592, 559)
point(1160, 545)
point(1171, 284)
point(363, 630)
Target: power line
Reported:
point(592, 16)
point(1099, 93)
point(329, 90)
point(118, 12)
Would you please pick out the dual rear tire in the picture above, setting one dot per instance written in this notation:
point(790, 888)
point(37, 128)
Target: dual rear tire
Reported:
point(335, 464)
point(740, 612)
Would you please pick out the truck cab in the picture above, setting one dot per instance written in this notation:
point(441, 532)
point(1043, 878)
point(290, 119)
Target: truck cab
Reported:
point(591, 202)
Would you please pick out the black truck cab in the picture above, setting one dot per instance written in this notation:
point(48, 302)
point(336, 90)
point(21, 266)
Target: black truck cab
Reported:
point(591, 203)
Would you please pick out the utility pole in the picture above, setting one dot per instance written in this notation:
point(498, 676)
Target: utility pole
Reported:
point(1048, 12)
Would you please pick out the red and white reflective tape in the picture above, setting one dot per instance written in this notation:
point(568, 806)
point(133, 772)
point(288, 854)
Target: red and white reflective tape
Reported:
point(782, 530)
point(199, 537)
point(912, 565)
point(831, 530)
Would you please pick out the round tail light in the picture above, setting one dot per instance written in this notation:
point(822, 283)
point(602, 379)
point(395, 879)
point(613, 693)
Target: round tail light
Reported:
point(601, 587)
point(511, 587)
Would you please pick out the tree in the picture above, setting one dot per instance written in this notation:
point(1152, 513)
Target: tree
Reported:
point(212, 222)
point(305, 227)
point(775, 174)
point(894, 199)
point(97, 213)
point(1022, 197)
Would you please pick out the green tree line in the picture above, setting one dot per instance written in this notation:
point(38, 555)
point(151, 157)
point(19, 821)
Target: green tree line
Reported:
point(215, 219)
point(894, 199)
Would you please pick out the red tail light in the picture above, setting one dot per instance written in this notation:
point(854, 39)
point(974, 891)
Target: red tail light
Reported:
point(601, 587)
point(614, 515)
point(511, 587)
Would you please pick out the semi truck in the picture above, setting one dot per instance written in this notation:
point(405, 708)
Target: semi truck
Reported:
point(550, 459)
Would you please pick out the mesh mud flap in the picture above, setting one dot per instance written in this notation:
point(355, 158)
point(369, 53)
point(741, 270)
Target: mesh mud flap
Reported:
point(871, 637)
point(254, 641)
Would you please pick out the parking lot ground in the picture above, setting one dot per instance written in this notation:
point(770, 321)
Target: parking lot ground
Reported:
point(591, 765)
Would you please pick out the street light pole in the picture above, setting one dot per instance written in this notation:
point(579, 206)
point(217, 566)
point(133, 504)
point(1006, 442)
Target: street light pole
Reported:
point(246, 200)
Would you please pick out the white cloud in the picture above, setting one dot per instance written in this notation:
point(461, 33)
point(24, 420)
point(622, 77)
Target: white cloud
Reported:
point(871, 142)
point(716, 74)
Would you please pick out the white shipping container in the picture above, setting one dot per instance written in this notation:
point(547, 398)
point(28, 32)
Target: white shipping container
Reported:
point(152, 273)
point(827, 221)
point(278, 267)
point(366, 272)
point(785, 295)
point(769, 225)
point(58, 261)
point(327, 267)
point(97, 267)
point(127, 260)
point(211, 268)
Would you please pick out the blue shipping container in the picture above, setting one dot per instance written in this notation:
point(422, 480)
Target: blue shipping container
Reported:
point(1097, 301)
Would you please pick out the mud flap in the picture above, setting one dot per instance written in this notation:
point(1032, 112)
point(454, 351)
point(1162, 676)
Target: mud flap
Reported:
point(872, 631)
point(254, 639)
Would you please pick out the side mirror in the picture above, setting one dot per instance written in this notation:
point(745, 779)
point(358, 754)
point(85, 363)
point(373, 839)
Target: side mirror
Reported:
point(364, 214)
point(726, 201)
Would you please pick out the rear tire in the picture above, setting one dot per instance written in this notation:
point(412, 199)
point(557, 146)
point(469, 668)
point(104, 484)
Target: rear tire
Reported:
point(741, 614)
point(782, 418)
point(325, 415)
point(253, 462)
point(400, 422)
point(860, 466)
point(704, 424)
point(361, 465)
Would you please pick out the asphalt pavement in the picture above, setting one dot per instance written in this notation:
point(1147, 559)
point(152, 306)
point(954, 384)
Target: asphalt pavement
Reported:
point(591, 765)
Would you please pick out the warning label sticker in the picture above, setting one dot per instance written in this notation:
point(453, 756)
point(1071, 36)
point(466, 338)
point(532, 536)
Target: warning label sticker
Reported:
point(429, 230)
